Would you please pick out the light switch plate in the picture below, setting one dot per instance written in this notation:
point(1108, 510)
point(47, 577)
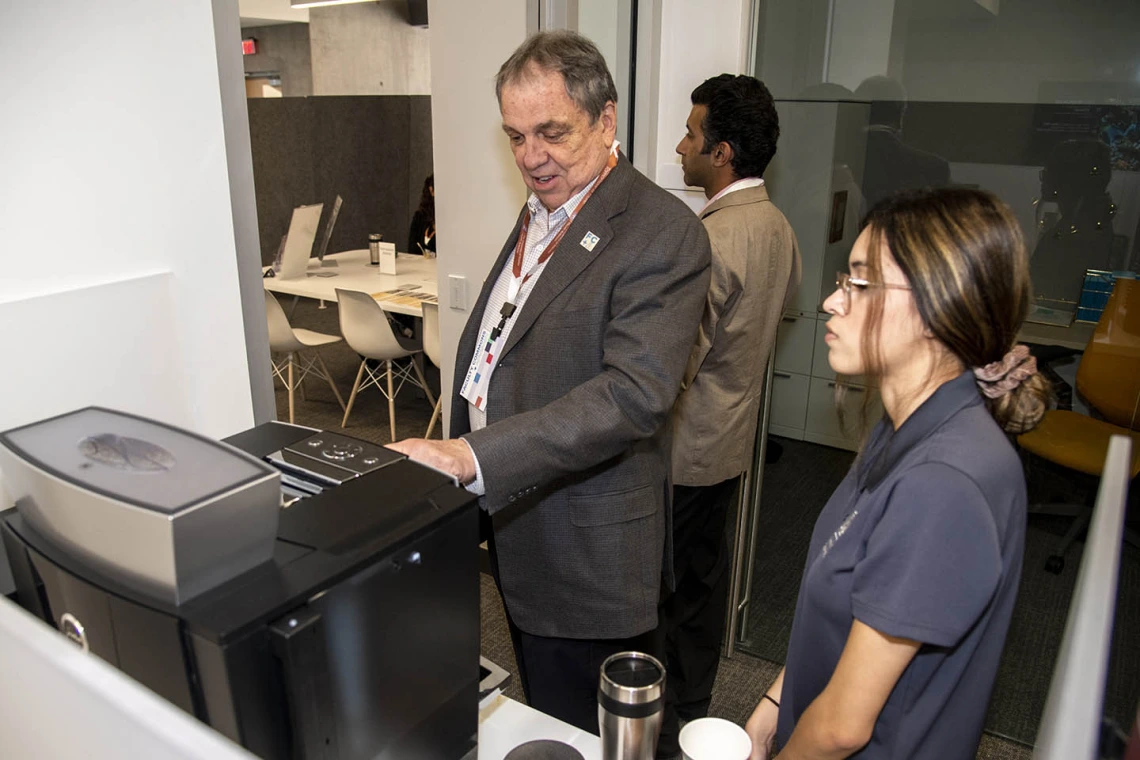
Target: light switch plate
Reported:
point(457, 289)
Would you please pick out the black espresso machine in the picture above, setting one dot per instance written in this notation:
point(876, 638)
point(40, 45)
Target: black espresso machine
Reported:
point(306, 594)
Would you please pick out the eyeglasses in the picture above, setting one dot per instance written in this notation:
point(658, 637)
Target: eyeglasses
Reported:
point(847, 283)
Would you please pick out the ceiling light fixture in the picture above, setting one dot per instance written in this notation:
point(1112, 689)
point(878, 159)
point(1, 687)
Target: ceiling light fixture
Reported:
point(298, 4)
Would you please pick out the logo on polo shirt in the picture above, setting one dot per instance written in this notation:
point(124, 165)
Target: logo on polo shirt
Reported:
point(843, 526)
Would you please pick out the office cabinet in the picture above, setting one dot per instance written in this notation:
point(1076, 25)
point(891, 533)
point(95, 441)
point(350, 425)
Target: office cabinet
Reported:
point(822, 422)
point(819, 365)
point(789, 404)
point(813, 180)
point(795, 342)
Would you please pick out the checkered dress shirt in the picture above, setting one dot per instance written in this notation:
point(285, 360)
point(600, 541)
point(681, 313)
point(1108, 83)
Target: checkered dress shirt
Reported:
point(544, 226)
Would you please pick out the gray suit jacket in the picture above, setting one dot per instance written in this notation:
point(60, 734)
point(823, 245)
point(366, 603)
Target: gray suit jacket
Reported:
point(755, 272)
point(575, 455)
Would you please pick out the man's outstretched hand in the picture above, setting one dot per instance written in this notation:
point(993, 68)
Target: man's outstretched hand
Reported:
point(452, 456)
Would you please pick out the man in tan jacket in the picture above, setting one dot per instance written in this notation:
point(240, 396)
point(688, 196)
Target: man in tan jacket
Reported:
point(730, 137)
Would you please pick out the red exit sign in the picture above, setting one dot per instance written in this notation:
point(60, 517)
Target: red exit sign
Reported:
point(249, 46)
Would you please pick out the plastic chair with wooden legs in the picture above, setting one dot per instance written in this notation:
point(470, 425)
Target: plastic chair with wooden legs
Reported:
point(367, 331)
point(295, 366)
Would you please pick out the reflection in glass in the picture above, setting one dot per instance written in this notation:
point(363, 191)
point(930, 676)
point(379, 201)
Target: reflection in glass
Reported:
point(1074, 219)
point(891, 164)
point(1036, 101)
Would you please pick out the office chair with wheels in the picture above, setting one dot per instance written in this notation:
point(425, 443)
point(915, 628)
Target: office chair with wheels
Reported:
point(432, 352)
point(367, 331)
point(1109, 380)
point(295, 366)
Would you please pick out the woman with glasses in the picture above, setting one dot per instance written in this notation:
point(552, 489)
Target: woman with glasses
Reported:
point(913, 566)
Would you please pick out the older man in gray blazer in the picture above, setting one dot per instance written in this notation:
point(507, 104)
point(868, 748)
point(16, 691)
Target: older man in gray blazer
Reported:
point(565, 376)
point(730, 137)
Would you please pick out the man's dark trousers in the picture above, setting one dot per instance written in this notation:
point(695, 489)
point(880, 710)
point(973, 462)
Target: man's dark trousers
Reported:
point(693, 615)
point(559, 676)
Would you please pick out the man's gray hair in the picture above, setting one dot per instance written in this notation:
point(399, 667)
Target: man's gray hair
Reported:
point(583, 69)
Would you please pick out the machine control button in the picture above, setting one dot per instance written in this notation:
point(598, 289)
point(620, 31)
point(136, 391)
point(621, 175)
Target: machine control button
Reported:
point(340, 451)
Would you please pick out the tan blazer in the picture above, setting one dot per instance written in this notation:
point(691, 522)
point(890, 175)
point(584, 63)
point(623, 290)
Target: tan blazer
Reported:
point(755, 273)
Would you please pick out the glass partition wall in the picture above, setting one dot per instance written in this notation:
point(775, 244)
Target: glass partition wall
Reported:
point(1037, 101)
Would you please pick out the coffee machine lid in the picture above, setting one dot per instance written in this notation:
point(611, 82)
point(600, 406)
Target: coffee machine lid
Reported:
point(132, 459)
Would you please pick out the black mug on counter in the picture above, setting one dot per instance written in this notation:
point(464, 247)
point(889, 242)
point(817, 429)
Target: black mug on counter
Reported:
point(631, 697)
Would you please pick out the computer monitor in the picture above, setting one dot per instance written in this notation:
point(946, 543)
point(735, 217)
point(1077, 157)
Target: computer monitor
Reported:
point(1070, 726)
point(299, 241)
point(328, 234)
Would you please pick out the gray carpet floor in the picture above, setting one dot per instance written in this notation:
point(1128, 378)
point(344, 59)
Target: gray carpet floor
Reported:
point(797, 488)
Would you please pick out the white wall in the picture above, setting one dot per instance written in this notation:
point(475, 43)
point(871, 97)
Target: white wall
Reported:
point(121, 283)
point(793, 45)
point(697, 41)
point(607, 24)
point(478, 190)
point(597, 19)
point(860, 41)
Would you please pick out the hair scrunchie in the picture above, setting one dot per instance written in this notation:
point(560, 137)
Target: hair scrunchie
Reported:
point(999, 378)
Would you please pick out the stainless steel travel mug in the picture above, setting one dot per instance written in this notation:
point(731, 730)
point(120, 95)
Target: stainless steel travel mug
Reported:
point(374, 248)
point(631, 696)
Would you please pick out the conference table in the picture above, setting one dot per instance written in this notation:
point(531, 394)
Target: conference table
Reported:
point(401, 293)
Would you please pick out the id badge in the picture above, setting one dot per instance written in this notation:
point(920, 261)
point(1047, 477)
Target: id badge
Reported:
point(478, 377)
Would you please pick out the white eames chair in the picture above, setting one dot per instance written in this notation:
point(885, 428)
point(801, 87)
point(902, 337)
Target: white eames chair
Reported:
point(295, 366)
point(431, 351)
point(367, 331)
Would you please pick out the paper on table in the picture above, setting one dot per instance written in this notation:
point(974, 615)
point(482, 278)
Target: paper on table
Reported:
point(405, 295)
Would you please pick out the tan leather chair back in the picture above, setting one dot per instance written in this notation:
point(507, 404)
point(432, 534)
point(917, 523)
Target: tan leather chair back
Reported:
point(1109, 376)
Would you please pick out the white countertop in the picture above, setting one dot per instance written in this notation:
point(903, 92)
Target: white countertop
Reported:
point(505, 724)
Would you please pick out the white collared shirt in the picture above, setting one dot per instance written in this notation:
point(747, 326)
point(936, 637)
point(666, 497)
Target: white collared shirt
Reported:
point(544, 226)
point(740, 184)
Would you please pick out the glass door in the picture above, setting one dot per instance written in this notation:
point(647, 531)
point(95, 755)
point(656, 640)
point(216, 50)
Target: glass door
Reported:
point(1035, 101)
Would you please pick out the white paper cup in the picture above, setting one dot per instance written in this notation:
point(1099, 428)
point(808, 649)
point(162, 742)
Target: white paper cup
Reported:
point(715, 739)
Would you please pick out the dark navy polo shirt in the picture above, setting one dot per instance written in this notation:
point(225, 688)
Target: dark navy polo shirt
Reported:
point(923, 540)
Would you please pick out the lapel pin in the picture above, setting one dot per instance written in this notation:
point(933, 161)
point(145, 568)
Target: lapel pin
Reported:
point(589, 241)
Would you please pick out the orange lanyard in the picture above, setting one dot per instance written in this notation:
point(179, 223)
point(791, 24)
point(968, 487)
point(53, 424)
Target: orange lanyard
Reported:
point(520, 246)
